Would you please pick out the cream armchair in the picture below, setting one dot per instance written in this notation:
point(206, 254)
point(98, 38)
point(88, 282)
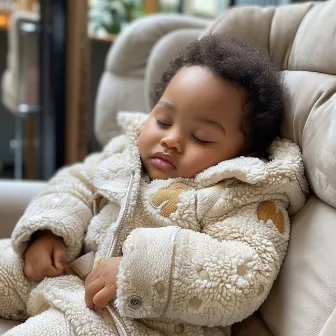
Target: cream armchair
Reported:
point(301, 40)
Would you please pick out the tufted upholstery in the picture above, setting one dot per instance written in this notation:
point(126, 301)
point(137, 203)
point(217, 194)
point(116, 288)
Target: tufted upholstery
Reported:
point(307, 57)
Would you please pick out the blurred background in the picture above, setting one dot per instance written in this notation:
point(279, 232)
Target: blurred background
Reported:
point(51, 58)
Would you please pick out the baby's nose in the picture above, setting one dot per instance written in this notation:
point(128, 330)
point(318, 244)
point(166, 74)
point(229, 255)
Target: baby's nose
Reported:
point(172, 142)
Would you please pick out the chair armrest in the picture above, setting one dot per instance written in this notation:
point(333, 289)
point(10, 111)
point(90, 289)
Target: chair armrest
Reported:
point(14, 198)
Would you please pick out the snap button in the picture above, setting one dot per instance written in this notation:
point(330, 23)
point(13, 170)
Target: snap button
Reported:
point(134, 301)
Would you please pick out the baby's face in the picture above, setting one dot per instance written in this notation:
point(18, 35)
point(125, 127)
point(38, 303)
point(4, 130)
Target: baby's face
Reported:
point(195, 125)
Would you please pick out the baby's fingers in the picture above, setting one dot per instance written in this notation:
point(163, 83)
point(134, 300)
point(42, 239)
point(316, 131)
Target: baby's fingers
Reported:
point(92, 276)
point(103, 297)
point(91, 290)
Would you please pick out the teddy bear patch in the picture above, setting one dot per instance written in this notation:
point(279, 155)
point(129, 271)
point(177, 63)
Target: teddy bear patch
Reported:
point(169, 196)
point(267, 210)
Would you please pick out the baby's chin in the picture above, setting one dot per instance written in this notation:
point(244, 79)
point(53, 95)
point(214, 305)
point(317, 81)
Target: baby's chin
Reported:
point(160, 175)
point(165, 175)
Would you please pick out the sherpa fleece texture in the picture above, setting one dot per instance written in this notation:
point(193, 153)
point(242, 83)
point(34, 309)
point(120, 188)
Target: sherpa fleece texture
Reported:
point(197, 255)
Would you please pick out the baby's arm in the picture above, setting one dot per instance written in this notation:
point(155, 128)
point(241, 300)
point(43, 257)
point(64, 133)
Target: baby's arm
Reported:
point(65, 206)
point(214, 278)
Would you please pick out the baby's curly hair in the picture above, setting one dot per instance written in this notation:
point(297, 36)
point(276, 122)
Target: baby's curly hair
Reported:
point(249, 68)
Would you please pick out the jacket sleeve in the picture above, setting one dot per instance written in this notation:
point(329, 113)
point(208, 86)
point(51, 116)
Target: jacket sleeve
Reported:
point(213, 278)
point(65, 205)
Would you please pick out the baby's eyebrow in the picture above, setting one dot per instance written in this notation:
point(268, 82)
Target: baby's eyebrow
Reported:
point(168, 105)
point(172, 108)
point(211, 122)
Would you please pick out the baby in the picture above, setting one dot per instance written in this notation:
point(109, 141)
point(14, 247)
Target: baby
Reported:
point(186, 219)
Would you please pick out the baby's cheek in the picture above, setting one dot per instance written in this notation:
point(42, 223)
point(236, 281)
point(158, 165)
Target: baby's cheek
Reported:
point(192, 165)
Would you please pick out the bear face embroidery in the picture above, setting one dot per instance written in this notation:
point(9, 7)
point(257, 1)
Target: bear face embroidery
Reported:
point(169, 196)
point(267, 210)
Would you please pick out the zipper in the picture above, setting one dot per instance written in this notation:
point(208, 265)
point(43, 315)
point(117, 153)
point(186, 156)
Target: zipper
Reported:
point(112, 251)
point(119, 322)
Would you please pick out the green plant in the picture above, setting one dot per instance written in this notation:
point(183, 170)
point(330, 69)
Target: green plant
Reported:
point(108, 16)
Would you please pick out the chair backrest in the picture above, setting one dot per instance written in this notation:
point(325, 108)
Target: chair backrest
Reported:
point(124, 83)
point(301, 39)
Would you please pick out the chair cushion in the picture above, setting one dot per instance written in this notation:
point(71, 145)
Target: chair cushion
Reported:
point(251, 326)
point(310, 122)
point(304, 295)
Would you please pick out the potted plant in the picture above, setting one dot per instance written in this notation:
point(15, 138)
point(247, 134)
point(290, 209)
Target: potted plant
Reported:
point(109, 16)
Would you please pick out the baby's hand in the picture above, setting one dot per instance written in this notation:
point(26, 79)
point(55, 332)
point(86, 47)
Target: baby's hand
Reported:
point(45, 257)
point(101, 284)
